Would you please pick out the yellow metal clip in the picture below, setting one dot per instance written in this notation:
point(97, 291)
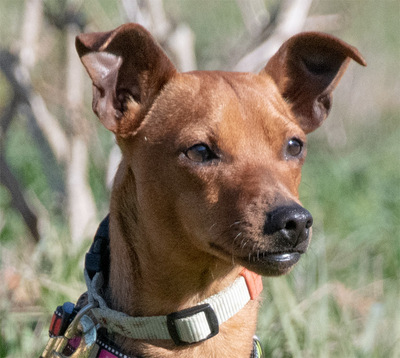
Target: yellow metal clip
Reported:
point(82, 326)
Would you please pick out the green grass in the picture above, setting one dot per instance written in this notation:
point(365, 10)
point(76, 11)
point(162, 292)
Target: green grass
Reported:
point(342, 299)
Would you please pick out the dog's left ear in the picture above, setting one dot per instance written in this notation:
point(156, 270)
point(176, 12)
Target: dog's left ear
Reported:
point(306, 69)
point(128, 69)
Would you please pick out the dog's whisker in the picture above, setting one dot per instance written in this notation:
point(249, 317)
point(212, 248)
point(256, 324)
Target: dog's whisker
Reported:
point(212, 226)
point(235, 223)
point(237, 236)
point(244, 243)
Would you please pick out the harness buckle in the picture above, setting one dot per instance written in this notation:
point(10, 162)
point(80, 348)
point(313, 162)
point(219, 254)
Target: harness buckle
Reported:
point(176, 330)
point(80, 336)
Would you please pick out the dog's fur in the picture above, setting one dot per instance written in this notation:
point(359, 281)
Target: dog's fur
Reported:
point(207, 162)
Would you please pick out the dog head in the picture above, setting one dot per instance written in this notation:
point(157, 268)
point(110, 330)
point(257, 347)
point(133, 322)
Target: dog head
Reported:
point(215, 157)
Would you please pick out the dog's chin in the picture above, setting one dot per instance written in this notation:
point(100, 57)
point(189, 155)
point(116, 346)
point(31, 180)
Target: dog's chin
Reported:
point(263, 263)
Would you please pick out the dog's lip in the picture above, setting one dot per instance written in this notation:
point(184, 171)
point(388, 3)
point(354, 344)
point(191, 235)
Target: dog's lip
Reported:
point(271, 264)
point(275, 258)
point(281, 257)
point(265, 263)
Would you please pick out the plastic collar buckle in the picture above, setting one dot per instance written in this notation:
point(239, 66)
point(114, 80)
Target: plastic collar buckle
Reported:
point(212, 321)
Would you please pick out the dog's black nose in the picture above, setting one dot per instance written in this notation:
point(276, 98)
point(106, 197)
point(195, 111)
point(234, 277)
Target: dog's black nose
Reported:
point(290, 223)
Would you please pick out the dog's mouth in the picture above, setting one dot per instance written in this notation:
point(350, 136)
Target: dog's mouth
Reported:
point(270, 264)
point(263, 262)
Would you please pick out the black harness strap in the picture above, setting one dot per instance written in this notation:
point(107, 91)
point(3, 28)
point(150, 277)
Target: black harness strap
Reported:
point(98, 257)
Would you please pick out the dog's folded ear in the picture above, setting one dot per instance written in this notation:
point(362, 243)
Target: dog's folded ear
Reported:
point(128, 69)
point(306, 69)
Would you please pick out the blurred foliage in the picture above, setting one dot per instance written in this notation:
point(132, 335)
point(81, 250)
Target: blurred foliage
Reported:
point(342, 298)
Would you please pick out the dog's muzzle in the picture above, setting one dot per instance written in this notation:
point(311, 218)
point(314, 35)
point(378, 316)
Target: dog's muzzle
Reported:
point(287, 229)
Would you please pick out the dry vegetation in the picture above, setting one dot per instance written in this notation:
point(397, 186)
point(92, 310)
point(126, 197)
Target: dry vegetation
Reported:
point(340, 301)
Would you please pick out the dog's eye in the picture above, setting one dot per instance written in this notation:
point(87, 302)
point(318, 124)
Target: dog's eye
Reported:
point(200, 153)
point(294, 147)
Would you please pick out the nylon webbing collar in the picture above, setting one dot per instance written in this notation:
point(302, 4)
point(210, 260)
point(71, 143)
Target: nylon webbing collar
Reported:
point(188, 326)
point(104, 347)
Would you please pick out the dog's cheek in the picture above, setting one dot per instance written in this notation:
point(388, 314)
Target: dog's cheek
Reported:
point(200, 207)
point(194, 218)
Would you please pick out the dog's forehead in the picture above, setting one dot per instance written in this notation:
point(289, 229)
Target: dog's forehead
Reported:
point(231, 106)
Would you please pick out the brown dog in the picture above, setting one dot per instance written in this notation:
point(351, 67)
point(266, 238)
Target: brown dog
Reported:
point(208, 183)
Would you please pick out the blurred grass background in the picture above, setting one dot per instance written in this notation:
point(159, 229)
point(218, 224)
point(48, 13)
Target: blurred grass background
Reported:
point(342, 299)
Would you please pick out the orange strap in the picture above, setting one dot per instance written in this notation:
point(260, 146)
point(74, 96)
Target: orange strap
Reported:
point(253, 282)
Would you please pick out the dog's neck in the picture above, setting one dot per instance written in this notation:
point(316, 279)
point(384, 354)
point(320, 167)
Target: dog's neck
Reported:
point(155, 281)
point(149, 276)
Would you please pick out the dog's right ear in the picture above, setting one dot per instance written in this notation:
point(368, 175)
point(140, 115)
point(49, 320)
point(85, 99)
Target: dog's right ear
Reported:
point(128, 69)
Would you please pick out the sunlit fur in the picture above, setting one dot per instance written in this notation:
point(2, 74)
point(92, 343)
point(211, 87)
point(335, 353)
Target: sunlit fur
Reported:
point(181, 230)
